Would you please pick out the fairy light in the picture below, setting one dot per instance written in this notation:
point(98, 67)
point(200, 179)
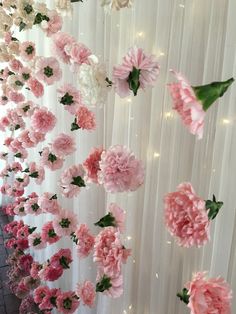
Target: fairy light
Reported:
point(140, 34)
point(168, 242)
point(129, 100)
point(181, 5)
point(157, 276)
point(226, 121)
point(125, 312)
point(129, 238)
point(213, 170)
point(169, 115)
point(161, 54)
point(134, 261)
point(117, 25)
point(130, 307)
point(156, 155)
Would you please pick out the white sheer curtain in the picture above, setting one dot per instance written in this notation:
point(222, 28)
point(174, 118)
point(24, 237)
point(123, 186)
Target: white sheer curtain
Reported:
point(196, 37)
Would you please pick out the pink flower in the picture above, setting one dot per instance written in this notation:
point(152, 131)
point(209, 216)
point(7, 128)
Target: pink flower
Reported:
point(48, 70)
point(22, 290)
point(71, 181)
point(61, 40)
point(115, 282)
point(119, 216)
point(49, 301)
point(67, 302)
point(36, 137)
point(120, 170)
point(187, 105)
point(27, 305)
point(65, 223)
point(85, 119)
point(78, 53)
point(25, 139)
point(92, 166)
point(87, 293)
point(16, 97)
point(26, 109)
point(50, 160)
point(36, 87)
point(61, 259)
point(40, 293)
point(85, 241)
point(37, 172)
point(209, 295)
point(15, 65)
point(34, 270)
point(43, 120)
point(35, 241)
point(49, 273)
point(63, 145)
point(136, 59)
point(27, 50)
point(70, 97)
point(25, 262)
point(32, 207)
point(186, 217)
point(48, 233)
point(49, 204)
point(54, 24)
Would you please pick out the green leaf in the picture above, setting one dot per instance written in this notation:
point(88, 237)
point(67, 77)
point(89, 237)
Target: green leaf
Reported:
point(74, 126)
point(67, 99)
point(110, 83)
point(22, 26)
point(184, 296)
point(31, 230)
point(133, 80)
point(213, 207)
point(18, 155)
point(106, 221)
point(54, 197)
point(78, 181)
point(64, 263)
point(104, 284)
point(34, 174)
point(52, 157)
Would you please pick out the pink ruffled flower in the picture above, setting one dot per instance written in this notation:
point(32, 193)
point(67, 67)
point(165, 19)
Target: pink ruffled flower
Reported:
point(35, 241)
point(49, 273)
point(78, 53)
point(48, 70)
point(32, 207)
point(48, 233)
point(15, 65)
point(49, 301)
point(36, 137)
point(70, 97)
point(120, 170)
point(16, 97)
point(25, 140)
point(136, 58)
point(116, 282)
point(85, 118)
point(65, 223)
point(27, 51)
point(92, 166)
point(119, 216)
point(43, 120)
point(71, 181)
point(35, 269)
point(186, 217)
point(67, 302)
point(22, 290)
point(63, 145)
point(26, 109)
point(37, 172)
point(87, 293)
point(49, 204)
point(61, 40)
point(209, 295)
point(63, 258)
point(54, 24)
point(187, 105)
point(50, 160)
point(25, 262)
point(85, 241)
point(27, 305)
point(36, 87)
point(40, 293)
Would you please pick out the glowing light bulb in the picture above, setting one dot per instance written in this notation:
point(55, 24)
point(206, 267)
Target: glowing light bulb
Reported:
point(157, 276)
point(134, 261)
point(161, 54)
point(181, 5)
point(156, 155)
point(130, 307)
point(168, 242)
point(129, 238)
point(169, 115)
point(125, 312)
point(129, 100)
point(226, 121)
point(140, 34)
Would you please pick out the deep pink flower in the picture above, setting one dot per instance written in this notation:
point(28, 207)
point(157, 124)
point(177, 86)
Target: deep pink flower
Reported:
point(85, 241)
point(50, 160)
point(48, 70)
point(61, 40)
point(27, 305)
point(25, 262)
point(49, 273)
point(91, 164)
point(71, 181)
point(135, 58)
point(34, 270)
point(40, 293)
point(87, 293)
point(208, 296)
point(48, 233)
point(187, 105)
point(85, 118)
point(27, 50)
point(43, 120)
point(63, 145)
point(49, 204)
point(65, 223)
point(36, 87)
point(70, 97)
point(120, 170)
point(186, 217)
point(22, 290)
point(49, 301)
point(67, 302)
point(63, 258)
point(54, 24)
point(35, 241)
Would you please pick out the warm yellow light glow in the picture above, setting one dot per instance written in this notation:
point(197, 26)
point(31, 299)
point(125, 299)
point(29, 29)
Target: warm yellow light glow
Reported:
point(124, 312)
point(134, 261)
point(156, 155)
point(129, 238)
point(157, 276)
point(140, 34)
point(130, 307)
point(168, 242)
point(169, 114)
point(161, 54)
point(182, 5)
point(226, 121)
point(129, 100)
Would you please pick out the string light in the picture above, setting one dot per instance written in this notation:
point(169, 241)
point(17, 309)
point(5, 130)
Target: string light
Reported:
point(130, 307)
point(117, 25)
point(213, 170)
point(129, 238)
point(156, 155)
point(125, 312)
point(168, 242)
point(226, 121)
point(161, 54)
point(157, 276)
point(129, 100)
point(140, 34)
point(169, 115)
point(134, 261)
point(182, 6)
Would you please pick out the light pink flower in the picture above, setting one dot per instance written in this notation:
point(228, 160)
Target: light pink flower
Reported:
point(25, 262)
point(61, 40)
point(50, 160)
point(40, 293)
point(63, 145)
point(43, 120)
point(49, 204)
point(85, 241)
point(119, 215)
point(92, 166)
point(186, 104)
point(63, 258)
point(208, 296)
point(70, 97)
point(37, 172)
point(87, 293)
point(135, 58)
point(186, 217)
point(35, 241)
point(85, 118)
point(16, 97)
point(27, 50)
point(120, 170)
point(36, 87)
point(67, 302)
point(78, 53)
point(116, 282)
point(15, 65)
point(48, 70)
point(36, 137)
point(54, 24)
point(65, 223)
point(71, 181)
point(26, 109)
point(25, 139)
point(48, 233)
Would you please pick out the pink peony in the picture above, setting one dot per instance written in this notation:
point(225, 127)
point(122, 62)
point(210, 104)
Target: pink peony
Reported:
point(49, 204)
point(65, 223)
point(48, 70)
point(85, 119)
point(71, 181)
point(85, 241)
point(48, 233)
point(54, 24)
point(61, 40)
point(63, 145)
point(186, 104)
point(67, 302)
point(135, 60)
point(70, 97)
point(208, 296)
point(50, 160)
point(86, 292)
point(27, 51)
point(36, 87)
point(35, 241)
point(186, 217)
point(43, 120)
point(92, 166)
point(120, 170)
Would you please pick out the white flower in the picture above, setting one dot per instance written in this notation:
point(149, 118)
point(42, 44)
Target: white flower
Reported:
point(64, 7)
point(92, 82)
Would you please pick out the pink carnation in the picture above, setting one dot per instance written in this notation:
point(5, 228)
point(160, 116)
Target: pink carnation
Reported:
point(119, 215)
point(209, 296)
point(186, 217)
point(49, 273)
point(40, 293)
point(63, 145)
point(85, 118)
point(34, 270)
point(67, 302)
point(136, 58)
point(87, 293)
point(78, 53)
point(54, 24)
point(49, 204)
point(48, 302)
point(36, 137)
point(61, 259)
point(37, 172)
point(65, 223)
point(116, 282)
point(120, 170)
point(35, 241)
point(71, 181)
point(27, 50)
point(48, 70)
point(15, 65)
point(85, 241)
point(16, 97)
point(36, 87)
point(70, 97)
point(32, 207)
point(25, 139)
point(186, 104)
point(61, 40)
point(92, 166)
point(48, 233)
point(50, 160)
point(43, 120)
point(25, 262)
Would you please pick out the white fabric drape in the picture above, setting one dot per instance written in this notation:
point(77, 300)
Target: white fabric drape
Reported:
point(196, 37)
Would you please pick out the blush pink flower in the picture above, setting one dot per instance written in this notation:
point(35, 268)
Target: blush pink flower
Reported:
point(36, 137)
point(37, 172)
point(40, 293)
point(85, 241)
point(71, 181)
point(120, 170)
point(186, 216)
point(54, 24)
point(86, 292)
point(35, 241)
point(78, 53)
point(92, 166)
point(119, 216)
point(85, 119)
point(48, 70)
point(36, 87)
point(115, 287)
point(43, 120)
point(49, 301)
point(146, 67)
point(15, 65)
point(48, 233)
point(49, 204)
point(16, 97)
point(209, 295)
point(27, 51)
point(61, 40)
point(50, 160)
point(32, 207)
point(187, 105)
point(70, 97)
point(25, 139)
point(63, 258)
point(65, 223)
point(63, 145)
point(67, 302)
